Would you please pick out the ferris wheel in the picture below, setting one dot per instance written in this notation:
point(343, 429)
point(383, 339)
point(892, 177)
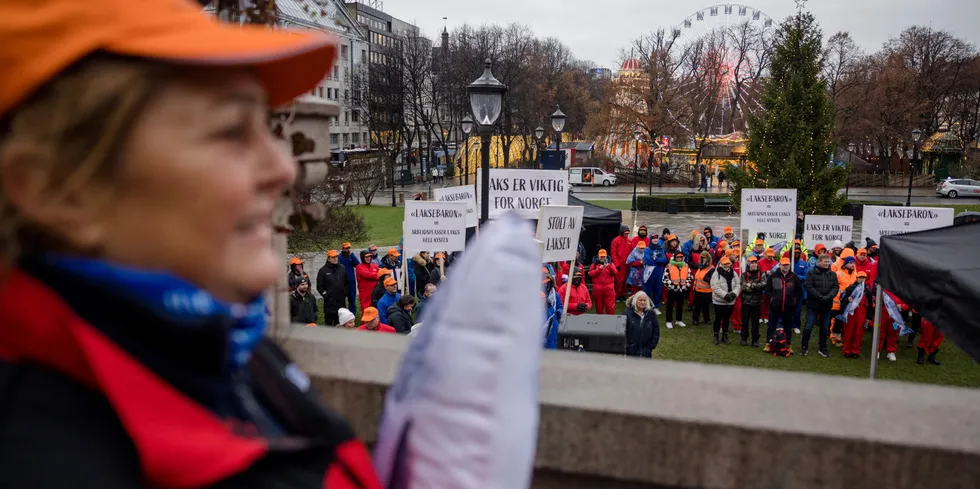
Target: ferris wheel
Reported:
point(726, 49)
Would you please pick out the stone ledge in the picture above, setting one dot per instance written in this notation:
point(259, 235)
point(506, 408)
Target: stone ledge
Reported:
point(616, 422)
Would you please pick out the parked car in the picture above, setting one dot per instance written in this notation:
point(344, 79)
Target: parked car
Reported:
point(592, 176)
point(958, 187)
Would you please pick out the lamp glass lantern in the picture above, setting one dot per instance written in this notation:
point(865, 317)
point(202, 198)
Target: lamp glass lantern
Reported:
point(539, 133)
point(486, 97)
point(850, 148)
point(916, 135)
point(467, 125)
point(558, 120)
point(638, 135)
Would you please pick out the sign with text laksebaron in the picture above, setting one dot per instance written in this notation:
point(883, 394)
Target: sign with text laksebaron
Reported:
point(827, 229)
point(558, 230)
point(434, 226)
point(885, 221)
point(769, 209)
point(524, 191)
point(462, 193)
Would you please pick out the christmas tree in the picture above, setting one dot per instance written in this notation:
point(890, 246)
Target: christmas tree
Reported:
point(790, 144)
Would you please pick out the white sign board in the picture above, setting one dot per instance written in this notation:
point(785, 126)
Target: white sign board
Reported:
point(769, 209)
point(826, 230)
point(773, 238)
point(885, 221)
point(463, 193)
point(434, 226)
point(558, 229)
point(524, 191)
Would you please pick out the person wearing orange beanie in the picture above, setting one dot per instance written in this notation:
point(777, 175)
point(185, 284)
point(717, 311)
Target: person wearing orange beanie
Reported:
point(603, 273)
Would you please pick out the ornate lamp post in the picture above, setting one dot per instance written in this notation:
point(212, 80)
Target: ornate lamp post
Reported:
point(847, 183)
point(538, 134)
point(467, 126)
point(637, 136)
point(916, 135)
point(486, 99)
point(558, 124)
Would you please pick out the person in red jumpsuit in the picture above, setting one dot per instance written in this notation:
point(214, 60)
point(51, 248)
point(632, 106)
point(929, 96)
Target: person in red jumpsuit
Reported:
point(603, 275)
point(579, 300)
point(864, 264)
point(733, 254)
point(930, 339)
point(620, 250)
point(367, 278)
point(888, 336)
point(856, 321)
point(641, 235)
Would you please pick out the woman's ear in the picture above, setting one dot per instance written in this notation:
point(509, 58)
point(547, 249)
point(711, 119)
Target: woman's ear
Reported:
point(75, 215)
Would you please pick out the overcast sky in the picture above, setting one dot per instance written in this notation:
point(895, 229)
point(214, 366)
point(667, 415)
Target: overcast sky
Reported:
point(597, 30)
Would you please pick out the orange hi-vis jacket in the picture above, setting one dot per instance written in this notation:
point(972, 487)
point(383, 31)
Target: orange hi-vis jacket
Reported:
point(844, 280)
point(677, 279)
point(701, 283)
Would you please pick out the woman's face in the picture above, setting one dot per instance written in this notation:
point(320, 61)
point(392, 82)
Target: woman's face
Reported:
point(200, 177)
point(641, 303)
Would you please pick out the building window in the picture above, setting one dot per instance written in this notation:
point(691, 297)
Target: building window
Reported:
point(321, 91)
point(346, 95)
point(346, 139)
point(333, 139)
point(355, 116)
point(364, 56)
point(346, 118)
point(343, 52)
point(355, 138)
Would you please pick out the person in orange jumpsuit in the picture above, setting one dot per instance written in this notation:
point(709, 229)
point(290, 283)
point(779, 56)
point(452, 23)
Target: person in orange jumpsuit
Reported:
point(620, 249)
point(930, 339)
point(846, 275)
point(603, 274)
point(858, 318)
point(579, 300)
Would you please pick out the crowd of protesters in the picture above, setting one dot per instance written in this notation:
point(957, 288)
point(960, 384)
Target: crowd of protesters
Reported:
point(787, 288)
point(371, 285)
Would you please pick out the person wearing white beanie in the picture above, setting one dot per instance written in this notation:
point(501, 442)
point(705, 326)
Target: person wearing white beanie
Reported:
point(346, 318)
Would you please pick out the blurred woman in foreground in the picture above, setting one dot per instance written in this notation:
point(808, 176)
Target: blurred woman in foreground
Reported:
point(139, 178)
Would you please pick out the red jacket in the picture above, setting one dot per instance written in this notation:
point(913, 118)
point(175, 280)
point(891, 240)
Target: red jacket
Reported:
point(602, 275)
point(620, 250)
point(767, 264)
point(869, 267)
point(637, 239)
point(579, 295)
point(367, 278)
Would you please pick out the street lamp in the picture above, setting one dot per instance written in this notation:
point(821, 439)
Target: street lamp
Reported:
point(467, 125)
point(847, 182)
point(637, 135)
point(558, 124)
point(916, 135)
point(486, 99)
point(538, 134)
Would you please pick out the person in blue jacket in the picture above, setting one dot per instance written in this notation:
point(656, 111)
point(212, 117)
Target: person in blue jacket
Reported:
point(349, 261)
point(713, 240)
point(553, 307)
point(656, 258)
point(391, 297)
point(411, 269)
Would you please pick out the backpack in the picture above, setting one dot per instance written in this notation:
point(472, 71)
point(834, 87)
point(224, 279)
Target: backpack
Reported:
point(778, 345)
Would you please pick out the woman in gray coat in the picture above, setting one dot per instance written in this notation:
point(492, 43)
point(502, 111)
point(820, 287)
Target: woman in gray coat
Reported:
point(725, 288)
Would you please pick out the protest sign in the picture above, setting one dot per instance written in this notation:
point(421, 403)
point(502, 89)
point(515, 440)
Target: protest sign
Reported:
point(524, 191)
point(463, 193)
point(826, 230)
point(769, 209)
point(774, 239)
point(558, 229)
point(431, 225)
point(885, 221)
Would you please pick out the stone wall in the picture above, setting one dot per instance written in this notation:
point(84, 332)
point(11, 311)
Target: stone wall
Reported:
point(611, 422)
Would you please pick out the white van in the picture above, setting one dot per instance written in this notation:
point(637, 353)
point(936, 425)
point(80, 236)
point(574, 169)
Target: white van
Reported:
point(591, 176)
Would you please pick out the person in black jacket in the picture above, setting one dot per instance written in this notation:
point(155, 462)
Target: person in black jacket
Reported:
point(302, 304)
point(642, 327)
point(332, 284)
point(753, 283)
point(783, 288)
point(821, 288)
point(400, 314)
point(423, 266)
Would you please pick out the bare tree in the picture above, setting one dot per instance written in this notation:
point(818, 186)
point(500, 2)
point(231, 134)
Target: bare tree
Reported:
point(846, 74)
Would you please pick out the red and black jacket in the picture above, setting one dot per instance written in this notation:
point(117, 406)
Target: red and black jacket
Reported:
point(97, 392)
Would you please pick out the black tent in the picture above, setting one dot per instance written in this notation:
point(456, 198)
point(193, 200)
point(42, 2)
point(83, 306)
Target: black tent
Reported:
point(599, 226)
point(937, 272)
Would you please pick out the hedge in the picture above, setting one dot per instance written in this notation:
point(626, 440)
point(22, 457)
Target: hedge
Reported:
point(695, 203)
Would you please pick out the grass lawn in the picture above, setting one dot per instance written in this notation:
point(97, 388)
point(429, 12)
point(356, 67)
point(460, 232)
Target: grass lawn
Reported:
point(957, 207)
point(618, 205)
point(384, 224)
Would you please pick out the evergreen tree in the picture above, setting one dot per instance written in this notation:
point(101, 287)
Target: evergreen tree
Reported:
point(790, 145)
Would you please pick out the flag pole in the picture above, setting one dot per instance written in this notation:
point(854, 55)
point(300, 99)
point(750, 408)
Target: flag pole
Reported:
point(877, 332)
point(568, 289)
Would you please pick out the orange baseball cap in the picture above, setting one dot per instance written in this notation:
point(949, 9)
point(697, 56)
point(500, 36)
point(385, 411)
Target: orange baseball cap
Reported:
point(641, 245)
point(784, 261)
point(390, 281)
point(295, 261)
point(383, 271)
point(770, 252)
point(722, 243)
point(603, 253)
point(41, 38)
point(752, 258)
point(393, 252)
point(729, 252)
point(439, 255)
point(862, 275)
point(760, 242)
point(725, 261)
point(345, 245)
point(862, 251)
point(819, 247)
point(728, 229)
point(332, 254)
point(369, 314)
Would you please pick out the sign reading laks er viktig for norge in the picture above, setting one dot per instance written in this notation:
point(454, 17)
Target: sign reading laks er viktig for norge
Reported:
point(885, 221)
point(769, 209)
point(434, 226)
point(462, 193)
point(827, 229)
point(524, 191)
point(558, 230)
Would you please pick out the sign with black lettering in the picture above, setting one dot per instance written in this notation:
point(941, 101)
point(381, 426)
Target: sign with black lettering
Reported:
point(885, 221)
point(826, 230)
point(434, 226)
point(462, 193)
point(524, 191)
point(558, 230)
point(769, 209)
